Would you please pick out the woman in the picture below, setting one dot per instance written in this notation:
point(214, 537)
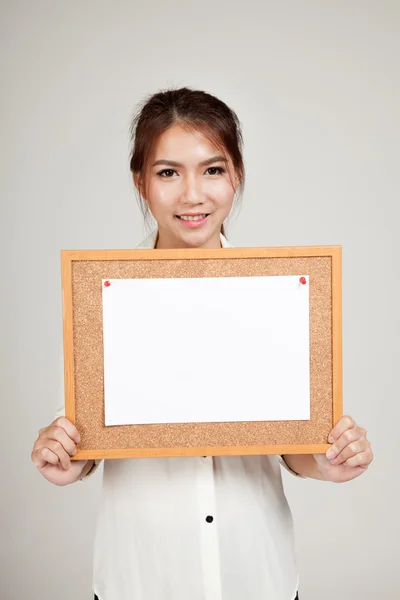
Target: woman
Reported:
point(194, 528)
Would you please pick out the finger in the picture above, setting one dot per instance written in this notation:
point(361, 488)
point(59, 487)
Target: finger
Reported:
point(341, 426)
point(69, 427)
point(349, 451)
point(60, 435)
point(37, 458)
point(347, 437)
point(59, 451)
point(42, 456)
point(363, 459)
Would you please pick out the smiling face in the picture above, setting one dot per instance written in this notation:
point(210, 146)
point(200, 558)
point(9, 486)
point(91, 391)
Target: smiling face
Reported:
point(187, 176)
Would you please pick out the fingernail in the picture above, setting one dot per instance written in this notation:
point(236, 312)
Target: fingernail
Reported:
point(330, 439)
point(330, 454)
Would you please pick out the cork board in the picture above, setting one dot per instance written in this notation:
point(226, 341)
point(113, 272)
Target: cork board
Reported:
point(82, 274)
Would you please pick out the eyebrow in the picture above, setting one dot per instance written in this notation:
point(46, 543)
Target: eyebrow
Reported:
point(204, 163)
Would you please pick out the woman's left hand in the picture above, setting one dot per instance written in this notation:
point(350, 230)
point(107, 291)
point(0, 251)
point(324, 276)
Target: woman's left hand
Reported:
point(350, 454)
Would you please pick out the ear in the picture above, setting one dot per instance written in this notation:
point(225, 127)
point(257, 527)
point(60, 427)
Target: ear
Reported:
point(137, 182)
point(236, 181)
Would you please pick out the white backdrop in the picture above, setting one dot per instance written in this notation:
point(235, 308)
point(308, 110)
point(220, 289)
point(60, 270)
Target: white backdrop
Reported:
point(316, 87)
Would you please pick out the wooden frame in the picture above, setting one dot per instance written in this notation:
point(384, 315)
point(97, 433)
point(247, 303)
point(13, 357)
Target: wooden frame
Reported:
point(69, 258)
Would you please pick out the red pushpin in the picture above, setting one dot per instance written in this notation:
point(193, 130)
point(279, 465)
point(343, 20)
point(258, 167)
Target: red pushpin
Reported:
point(107, 283)
point(303, 280)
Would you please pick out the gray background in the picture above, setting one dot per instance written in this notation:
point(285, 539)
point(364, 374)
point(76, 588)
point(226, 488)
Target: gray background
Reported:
point(316, 87)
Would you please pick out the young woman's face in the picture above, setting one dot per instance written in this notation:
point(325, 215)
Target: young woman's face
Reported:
point(187, 176)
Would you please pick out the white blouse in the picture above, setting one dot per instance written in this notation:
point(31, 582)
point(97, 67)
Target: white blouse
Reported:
point(194, 528)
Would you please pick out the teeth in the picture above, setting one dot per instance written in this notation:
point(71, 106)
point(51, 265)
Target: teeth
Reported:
point(197, 218)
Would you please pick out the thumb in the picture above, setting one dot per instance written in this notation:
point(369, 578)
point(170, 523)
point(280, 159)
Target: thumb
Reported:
point(39, 464)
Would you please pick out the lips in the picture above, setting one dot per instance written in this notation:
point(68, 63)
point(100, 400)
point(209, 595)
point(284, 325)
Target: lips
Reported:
point(193, 215)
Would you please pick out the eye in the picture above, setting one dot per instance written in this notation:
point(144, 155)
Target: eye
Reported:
point(219, 169)
point(164, 172)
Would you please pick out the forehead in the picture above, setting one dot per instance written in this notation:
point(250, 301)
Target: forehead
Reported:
point(180, 143)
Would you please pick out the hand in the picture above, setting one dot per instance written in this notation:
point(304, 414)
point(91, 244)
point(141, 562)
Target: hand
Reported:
point(349, 456)
point(52, 450)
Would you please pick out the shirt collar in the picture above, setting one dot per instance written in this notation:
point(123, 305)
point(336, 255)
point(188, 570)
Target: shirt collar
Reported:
point(150, 241)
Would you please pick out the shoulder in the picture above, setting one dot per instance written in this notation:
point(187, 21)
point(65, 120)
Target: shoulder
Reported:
point(149, 241)
point(224, 242)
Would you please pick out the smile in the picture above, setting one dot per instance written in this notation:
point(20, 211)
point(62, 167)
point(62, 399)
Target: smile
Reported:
point(192, 221)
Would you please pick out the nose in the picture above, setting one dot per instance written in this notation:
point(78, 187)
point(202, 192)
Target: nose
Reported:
point(192, 193)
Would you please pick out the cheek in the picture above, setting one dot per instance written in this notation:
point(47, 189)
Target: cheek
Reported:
point(222, 193)
point(160, 197)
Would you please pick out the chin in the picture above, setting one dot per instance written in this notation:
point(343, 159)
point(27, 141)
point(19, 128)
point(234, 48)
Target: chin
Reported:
point(196, 240)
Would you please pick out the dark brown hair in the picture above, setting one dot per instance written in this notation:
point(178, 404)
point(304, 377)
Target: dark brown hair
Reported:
point(192, 109)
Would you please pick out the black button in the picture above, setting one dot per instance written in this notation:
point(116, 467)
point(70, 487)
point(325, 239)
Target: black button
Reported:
point(209, 519)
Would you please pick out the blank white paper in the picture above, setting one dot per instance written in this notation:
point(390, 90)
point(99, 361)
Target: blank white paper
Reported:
point(206, 350)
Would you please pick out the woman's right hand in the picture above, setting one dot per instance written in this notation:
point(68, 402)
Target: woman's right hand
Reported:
point(52, 450)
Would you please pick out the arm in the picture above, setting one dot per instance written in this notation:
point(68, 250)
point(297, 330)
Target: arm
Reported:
point(304, 465)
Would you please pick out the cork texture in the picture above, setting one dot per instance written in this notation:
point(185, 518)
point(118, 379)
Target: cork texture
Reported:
point(88, 356)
